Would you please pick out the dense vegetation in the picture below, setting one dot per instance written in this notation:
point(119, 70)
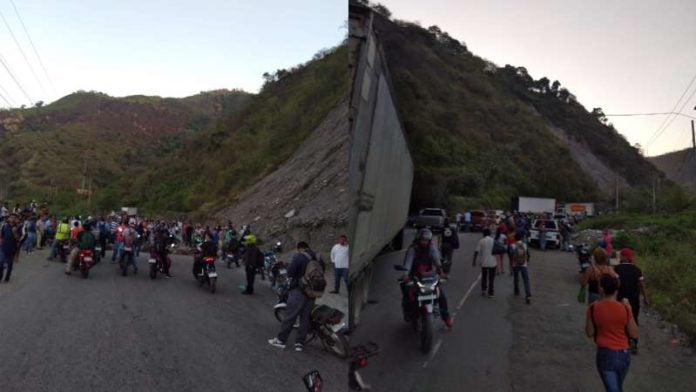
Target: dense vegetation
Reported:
point(166, 156)
point(479, 133)
point(665, 245)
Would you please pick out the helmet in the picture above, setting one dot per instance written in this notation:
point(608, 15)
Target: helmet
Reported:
point(251, 239)
point(447, 232)
point(425, 235)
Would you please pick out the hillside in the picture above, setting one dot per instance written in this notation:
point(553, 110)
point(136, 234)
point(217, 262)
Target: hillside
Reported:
point(44, 150)
point(679, 166)
point(480, 134)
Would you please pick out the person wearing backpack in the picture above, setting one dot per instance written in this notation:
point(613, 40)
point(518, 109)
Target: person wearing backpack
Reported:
point(307, 283)
point(253, 261)
point(520, 262)
point(450, 242)
point(611, 324)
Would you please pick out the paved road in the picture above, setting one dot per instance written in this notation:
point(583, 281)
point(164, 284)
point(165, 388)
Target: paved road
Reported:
point(472, 356)
point(114, 333)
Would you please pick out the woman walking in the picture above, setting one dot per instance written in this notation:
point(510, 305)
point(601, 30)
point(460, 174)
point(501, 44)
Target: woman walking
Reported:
point(589, 280)
point(611, 323)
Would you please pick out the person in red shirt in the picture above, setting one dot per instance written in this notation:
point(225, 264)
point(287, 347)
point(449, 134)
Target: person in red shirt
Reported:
point(611, 323)
point(75, 231)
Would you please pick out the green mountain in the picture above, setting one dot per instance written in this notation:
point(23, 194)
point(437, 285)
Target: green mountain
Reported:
point(481, 134)
point(679, 166)
point(164, 155)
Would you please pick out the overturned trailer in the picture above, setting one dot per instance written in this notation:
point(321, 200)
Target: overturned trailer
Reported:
point(380, 167)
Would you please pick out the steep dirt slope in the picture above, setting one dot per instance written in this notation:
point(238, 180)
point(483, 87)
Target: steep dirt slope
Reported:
point(679, 166)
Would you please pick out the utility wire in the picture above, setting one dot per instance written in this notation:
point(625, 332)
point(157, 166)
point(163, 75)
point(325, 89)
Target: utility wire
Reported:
point(36, 52)
point(12, 103)
point(647, 114)
point(22, 51)
point(5, 99)
point(674, 117)
point(9, 71)
point(662, 126)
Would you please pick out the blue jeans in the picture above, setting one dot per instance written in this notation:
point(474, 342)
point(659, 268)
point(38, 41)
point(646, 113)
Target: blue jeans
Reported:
point(29, 242)
point(525, 279)
point(613, 367)
point(542, 241)
point(338, 274)
point(116, 252)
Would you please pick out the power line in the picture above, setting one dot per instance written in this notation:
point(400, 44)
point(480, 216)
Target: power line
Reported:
point(674, 117)
point(9, 71)
point(12, 104)
point(660, 129)
point(5, 99)
point(647, 114)
point(36, 52)
point(22, 51)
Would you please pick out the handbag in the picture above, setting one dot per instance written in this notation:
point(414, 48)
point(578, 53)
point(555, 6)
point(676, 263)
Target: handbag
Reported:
point(499, 249)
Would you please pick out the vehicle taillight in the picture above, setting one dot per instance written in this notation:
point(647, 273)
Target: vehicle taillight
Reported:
point(362, 363)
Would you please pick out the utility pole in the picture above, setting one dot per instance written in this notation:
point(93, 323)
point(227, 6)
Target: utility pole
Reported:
point(693, 135)
point(617, 193)
point(654, 184)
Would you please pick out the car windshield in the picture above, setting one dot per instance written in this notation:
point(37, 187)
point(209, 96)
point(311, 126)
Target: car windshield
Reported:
point(432, 212)
point(478, 213)
point(551, 225)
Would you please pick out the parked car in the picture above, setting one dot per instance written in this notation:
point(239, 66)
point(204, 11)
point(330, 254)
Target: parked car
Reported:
point(553, 233)
point(434, 218)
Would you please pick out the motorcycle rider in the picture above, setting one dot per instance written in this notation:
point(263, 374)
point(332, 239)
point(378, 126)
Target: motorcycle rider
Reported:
point(85, 241)
point(207, 249)
point(450, 242)
point(128, 236)
point(253, 261)
point(161, 240)
point(423, 256)
point(62, 234)
point(233, 246)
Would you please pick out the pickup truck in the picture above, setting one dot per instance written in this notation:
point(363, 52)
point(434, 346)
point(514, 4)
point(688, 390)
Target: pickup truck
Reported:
point(434, 218)
point(553, 233)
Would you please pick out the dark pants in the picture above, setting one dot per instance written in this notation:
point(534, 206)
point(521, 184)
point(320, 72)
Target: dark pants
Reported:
point(525, 279)
point(338, 274)
point(165, 264)
point(299, 305)
point(250, 275)
point(6, 262)
point(613, 367)
point(102, 242)
point(488, 279)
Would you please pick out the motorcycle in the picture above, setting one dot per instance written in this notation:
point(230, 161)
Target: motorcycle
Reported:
point(584, 258)
point(97, 254)
point(64, 250)
point(231, 258)
point(127, 259)
point(156, 263)
point(204, 271)
point(359, 361)
point(326, 324)
point(422, 293)
point(86, 262)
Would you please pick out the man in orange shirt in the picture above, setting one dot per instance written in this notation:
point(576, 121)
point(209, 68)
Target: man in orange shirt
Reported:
point(75, 230)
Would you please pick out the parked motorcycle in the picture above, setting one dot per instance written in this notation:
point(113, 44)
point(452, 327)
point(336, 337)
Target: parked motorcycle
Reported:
point(359, 361)
point(204, 271)
point(326, 324)
point(422, 293)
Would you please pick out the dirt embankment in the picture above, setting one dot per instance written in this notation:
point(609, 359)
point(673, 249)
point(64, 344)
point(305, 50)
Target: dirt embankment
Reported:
point(550, 351)
point(307, 197)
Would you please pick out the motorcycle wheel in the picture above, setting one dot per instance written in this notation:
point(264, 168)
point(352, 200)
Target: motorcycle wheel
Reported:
point(84, 271)
point(153, 271)
point(426, 337)
point(229, 264)
point(213, 285)
point(337, 343)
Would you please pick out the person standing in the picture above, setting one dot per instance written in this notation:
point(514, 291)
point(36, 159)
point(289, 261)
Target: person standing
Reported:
point(520, 263)
point(467, 221)
point(9, 245)
point(488, 263)
point(542, 234)
point(305, 264)
point(30, 232)
point(611, 324)
point(253, 261)
point(631, 288)
point(340, 259)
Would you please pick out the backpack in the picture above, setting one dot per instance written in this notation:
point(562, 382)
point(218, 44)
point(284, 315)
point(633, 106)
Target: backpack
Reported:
point(520, 254)
point(313, 282)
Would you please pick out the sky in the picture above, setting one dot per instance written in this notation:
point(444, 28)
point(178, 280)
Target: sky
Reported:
point(171, 48)
point(624, 56)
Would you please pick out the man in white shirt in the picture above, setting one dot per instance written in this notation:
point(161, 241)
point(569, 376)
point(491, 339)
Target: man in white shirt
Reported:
point(467, 221)
point(488, 263)
point(340, 258)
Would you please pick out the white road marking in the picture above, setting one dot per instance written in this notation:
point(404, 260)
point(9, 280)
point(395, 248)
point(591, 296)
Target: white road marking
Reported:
point(454, 314)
